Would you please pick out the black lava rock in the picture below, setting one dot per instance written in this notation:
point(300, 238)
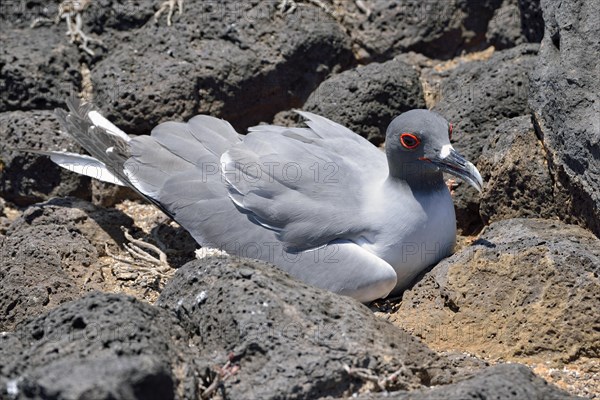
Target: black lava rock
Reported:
point(29, 178)
point(103, 346)
point(293, 336)
point(366, 99)
point(566, 107)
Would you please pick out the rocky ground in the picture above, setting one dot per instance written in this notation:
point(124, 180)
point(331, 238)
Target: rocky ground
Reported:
point(513, 314)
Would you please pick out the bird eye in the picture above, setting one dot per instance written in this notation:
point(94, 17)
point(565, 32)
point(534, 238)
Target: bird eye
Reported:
point(450, 131)
point(409, 140)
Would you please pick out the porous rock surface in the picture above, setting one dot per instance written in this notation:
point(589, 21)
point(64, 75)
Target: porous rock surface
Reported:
point(244, 62)
point(566, 106)
point(436, 29)
point(525, 290)
point(293, 336)
point(29, 178)
point(245, 319)
point(506, 382)
point(103, 346)
point(36, 76)
point(475, 97)
point(49, 256)
point(366, 99)
point(518, 182)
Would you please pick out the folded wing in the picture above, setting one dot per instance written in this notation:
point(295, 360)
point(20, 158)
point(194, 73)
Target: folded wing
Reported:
point(309, 185)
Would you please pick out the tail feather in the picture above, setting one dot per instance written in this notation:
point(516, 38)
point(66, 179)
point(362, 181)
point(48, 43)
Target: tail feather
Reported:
point(177, 168)
point(98, 120)
point(81, 164)
point(104, 141)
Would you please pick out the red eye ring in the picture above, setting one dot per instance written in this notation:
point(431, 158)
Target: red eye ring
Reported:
point(450, 128)
point(409, 141)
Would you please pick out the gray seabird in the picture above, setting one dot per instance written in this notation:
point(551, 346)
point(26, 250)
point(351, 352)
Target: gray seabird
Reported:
point(320, 202)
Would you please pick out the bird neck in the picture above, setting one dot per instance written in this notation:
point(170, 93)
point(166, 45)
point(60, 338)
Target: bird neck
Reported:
point(418, 175)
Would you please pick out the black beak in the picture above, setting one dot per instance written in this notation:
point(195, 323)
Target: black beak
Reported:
point(449, 160)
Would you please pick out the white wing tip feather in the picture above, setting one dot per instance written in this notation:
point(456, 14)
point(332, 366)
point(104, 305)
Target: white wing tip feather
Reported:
point(84, 165)
point(226, 163)
point(312, 116)
point(99, 121)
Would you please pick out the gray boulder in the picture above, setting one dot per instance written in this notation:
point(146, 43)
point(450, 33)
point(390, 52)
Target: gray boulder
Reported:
point(515, 22)
point(99, 225)
point(504, 29)
point(523, 291)
point(476, 97)
point(503, 381)
point(233, 325)
point(566, 106)
point(38, 74)
point(517, 180)
point(28, 178)
point(295, 337)
point(441, 30)
point(366, 99)
point(38, 274)
point(103, 346)
point(243, 62)
point(109, 20)
point(47, 257)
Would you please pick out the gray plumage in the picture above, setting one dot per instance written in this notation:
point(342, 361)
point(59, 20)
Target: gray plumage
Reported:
point(320, 202)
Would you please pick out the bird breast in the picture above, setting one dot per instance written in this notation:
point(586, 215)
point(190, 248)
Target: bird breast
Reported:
point(418, 229)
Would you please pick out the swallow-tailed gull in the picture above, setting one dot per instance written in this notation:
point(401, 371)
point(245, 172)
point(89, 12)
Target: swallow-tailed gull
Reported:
point(320, 202)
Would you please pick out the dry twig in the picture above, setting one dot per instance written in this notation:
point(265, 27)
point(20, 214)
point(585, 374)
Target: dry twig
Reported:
point(222, 374)
point(70, 11)
point(169, 4)
point(382, 383)
point(140, 261)
point(289, 6)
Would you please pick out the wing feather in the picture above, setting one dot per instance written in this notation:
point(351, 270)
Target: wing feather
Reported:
point(296, 182)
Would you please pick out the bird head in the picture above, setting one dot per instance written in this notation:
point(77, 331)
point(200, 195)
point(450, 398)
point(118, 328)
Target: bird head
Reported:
point(418, 145)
